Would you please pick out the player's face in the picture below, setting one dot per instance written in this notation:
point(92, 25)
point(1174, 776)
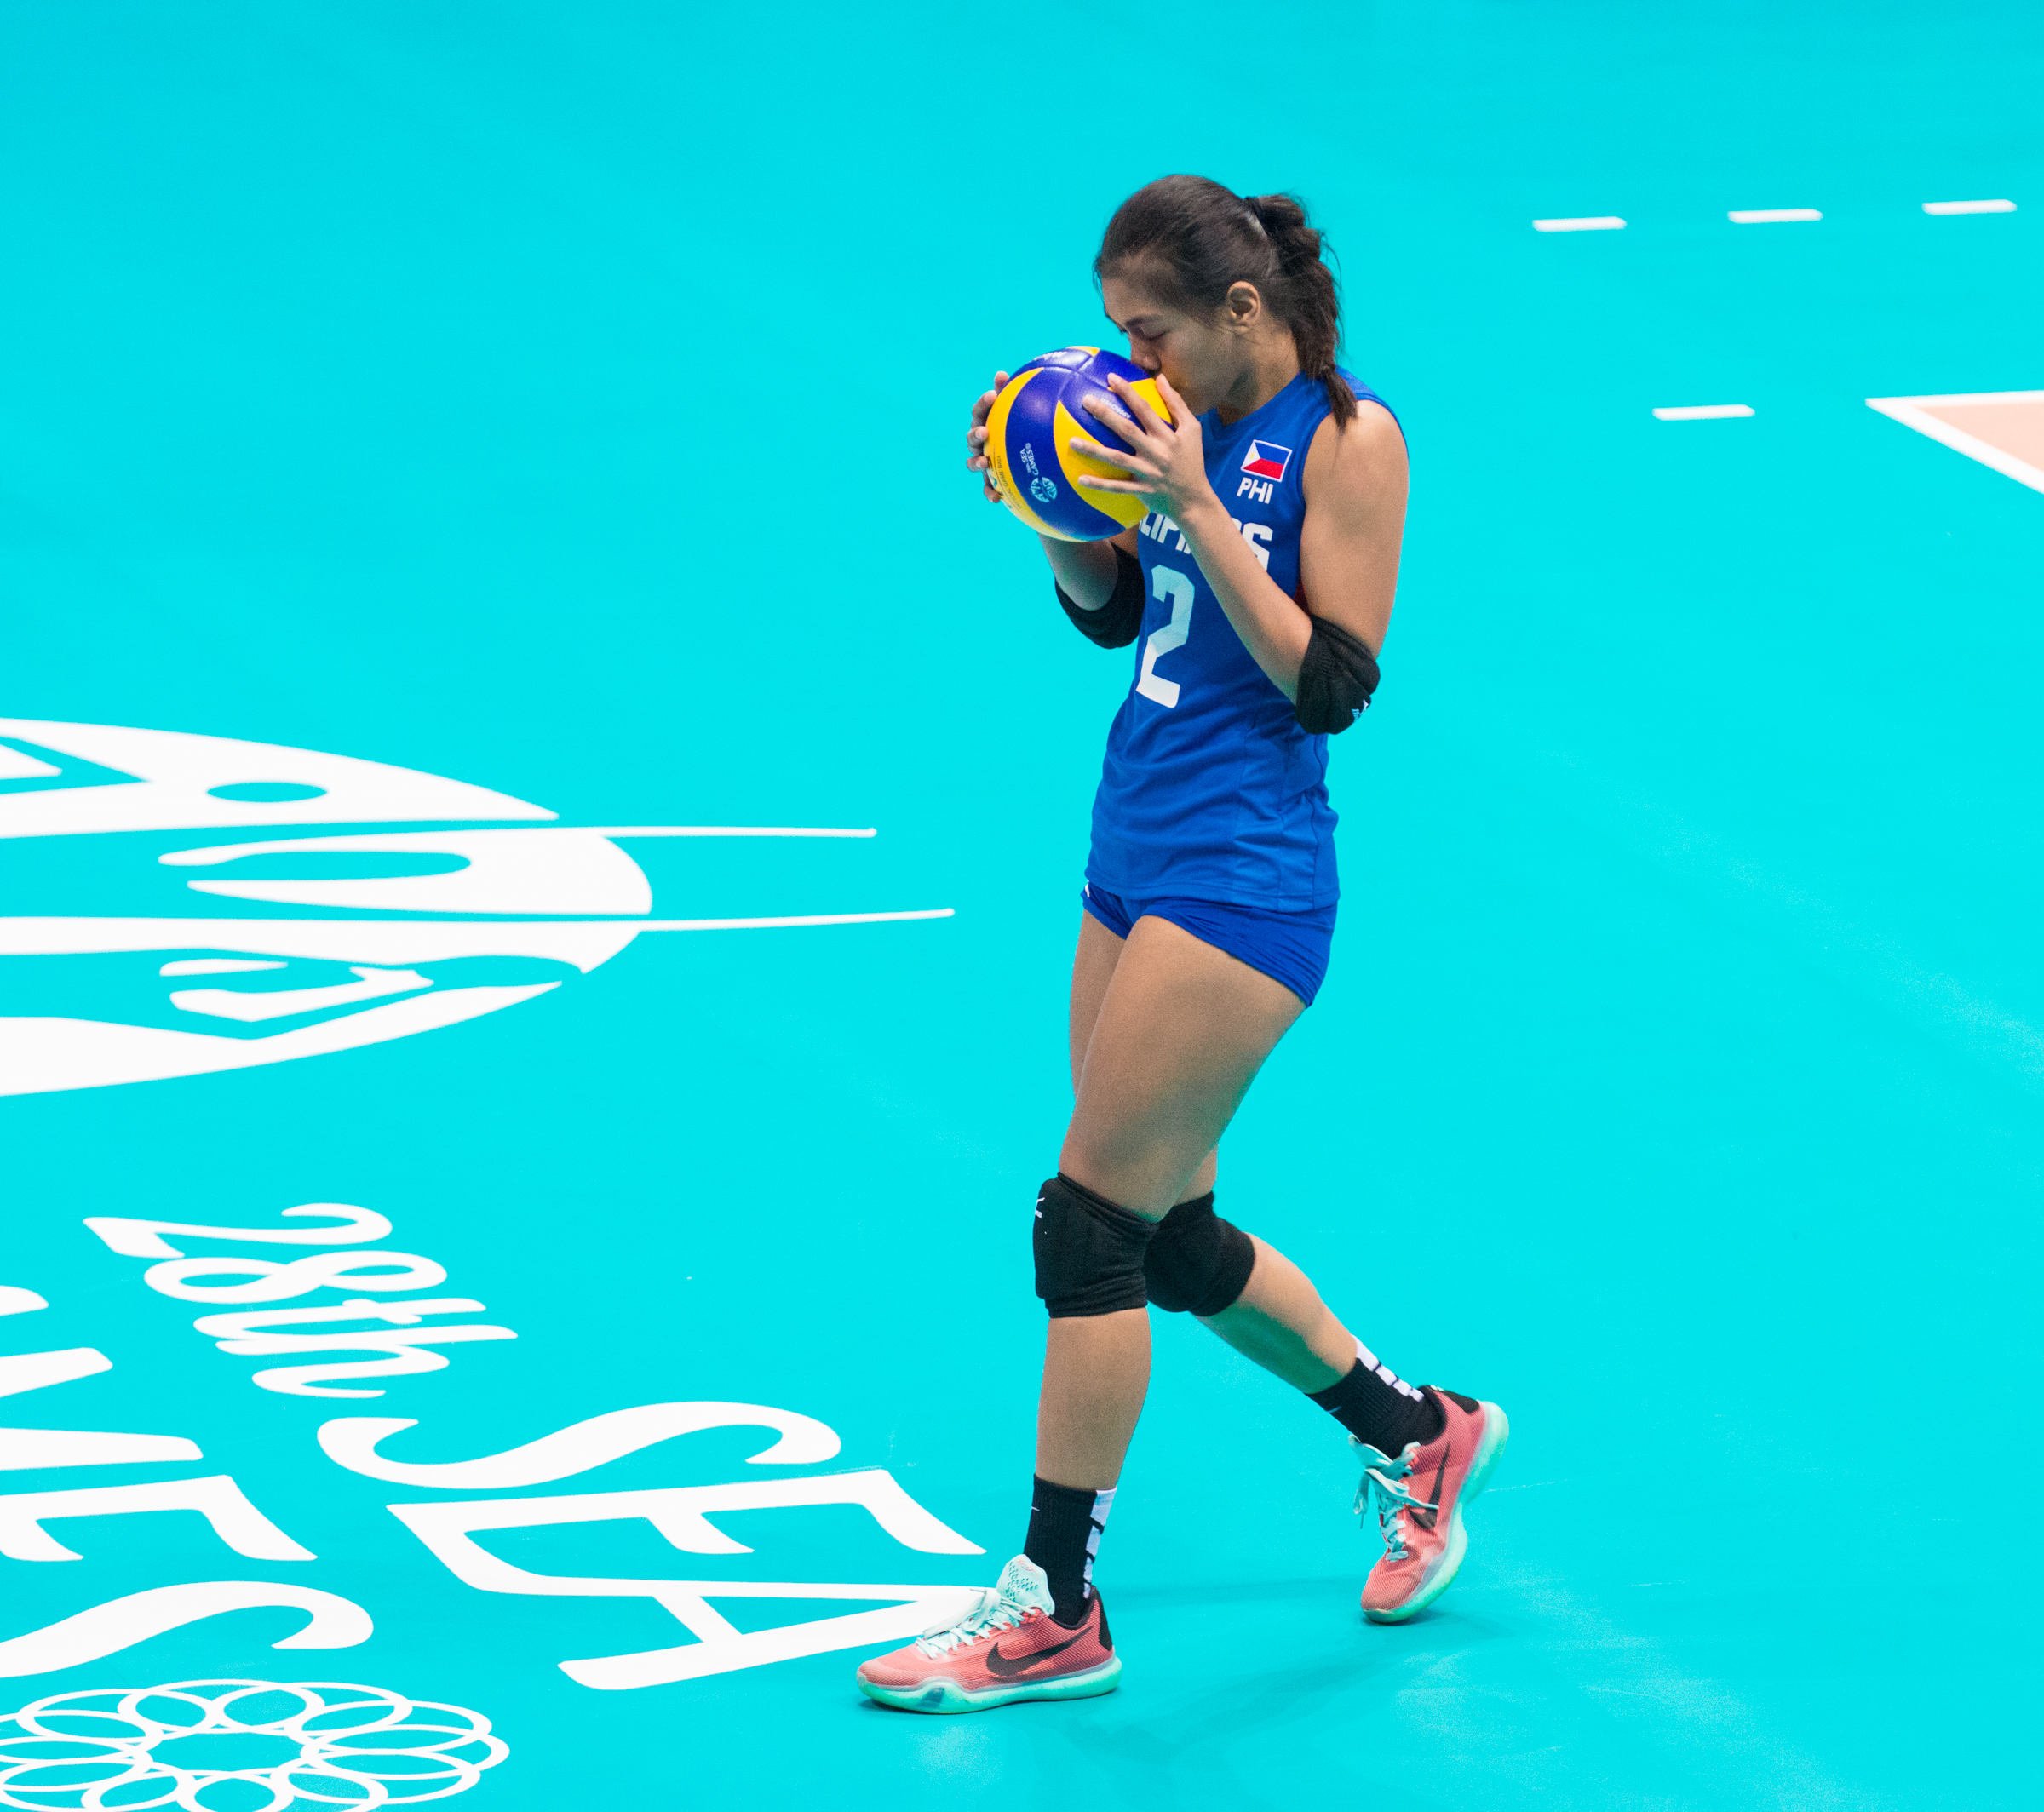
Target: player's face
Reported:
point(1201, 357)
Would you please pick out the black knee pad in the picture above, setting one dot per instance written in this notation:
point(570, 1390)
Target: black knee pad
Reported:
point(1198, 1260)
point(1089, 1252)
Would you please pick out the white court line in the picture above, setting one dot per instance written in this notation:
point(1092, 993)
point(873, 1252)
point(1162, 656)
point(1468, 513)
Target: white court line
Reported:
point(1703, 412)
point(1769, 216)
point(1584, 223)
point(1910, 411)
point(390, 942)
point(1969, 207)
point(703, 830)
point(758, 925)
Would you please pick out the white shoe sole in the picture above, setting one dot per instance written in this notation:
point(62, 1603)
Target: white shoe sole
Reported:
point(939, 1694)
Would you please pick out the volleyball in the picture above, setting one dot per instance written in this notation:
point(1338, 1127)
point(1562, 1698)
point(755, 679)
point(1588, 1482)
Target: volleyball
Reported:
point(1029, 442)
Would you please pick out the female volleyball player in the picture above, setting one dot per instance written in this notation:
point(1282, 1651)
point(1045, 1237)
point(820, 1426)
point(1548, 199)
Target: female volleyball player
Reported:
point(1261, 585)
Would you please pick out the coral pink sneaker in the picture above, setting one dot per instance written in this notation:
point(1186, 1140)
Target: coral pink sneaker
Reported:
point(1424, 1540)
point(1008, 1646)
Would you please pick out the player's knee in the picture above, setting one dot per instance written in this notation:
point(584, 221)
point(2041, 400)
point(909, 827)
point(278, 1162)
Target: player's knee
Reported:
point(1089, 1252)
point(1198, 1261)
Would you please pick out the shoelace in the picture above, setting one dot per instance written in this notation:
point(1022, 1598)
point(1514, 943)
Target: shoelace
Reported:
point(994, 1611)
point(1389, 1500)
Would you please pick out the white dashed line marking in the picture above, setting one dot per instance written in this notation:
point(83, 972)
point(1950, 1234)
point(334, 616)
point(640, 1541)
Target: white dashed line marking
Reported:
point(1703, 412)
point(1969, 207)
point(1583, 223)
point(1770, 216)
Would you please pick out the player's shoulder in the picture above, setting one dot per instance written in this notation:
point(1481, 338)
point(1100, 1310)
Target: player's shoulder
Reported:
point(1359, 450)
point(1353, 466)
point(1373, 414)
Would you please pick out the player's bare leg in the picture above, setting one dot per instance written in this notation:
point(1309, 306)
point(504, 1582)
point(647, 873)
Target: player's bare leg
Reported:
point(1178, 1032)
point(1424, 1452)
point(1168, 1033)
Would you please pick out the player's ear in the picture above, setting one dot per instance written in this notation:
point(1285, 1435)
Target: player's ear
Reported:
point(1242, 305)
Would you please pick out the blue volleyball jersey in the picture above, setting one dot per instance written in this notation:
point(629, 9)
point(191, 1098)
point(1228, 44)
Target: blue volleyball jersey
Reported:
point(1211, 790)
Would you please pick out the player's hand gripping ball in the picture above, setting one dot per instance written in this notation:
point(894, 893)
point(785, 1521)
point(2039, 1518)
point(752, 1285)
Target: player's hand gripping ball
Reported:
point(1029, 438)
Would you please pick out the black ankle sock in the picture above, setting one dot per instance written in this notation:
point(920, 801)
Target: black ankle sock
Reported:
point(1375, 1405)
point(1064, 1525)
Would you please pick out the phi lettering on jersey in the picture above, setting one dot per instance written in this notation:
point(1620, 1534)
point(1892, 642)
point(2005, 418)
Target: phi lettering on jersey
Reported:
point(1263, 467)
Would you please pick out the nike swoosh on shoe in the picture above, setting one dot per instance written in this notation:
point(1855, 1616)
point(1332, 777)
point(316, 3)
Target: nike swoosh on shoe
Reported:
point(1432, 1511)
point(1010, 1665)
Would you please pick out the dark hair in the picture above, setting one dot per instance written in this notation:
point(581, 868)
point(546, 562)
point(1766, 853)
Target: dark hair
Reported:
point(1194, 239)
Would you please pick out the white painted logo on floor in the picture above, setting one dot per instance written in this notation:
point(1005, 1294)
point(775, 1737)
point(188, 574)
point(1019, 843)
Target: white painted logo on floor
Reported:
point(183, 996)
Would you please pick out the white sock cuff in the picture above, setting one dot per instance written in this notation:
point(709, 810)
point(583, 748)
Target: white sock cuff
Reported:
point(1385, 1372)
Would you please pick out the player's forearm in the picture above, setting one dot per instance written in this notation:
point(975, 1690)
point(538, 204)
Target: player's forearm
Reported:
point(1085, 569)
point(1272, 626)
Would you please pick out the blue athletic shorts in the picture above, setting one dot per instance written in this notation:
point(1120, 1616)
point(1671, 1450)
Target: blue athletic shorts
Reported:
point(1291, 948)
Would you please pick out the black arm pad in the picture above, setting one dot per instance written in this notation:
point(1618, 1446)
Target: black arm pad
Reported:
point(1118, 621)
point(1335, 679)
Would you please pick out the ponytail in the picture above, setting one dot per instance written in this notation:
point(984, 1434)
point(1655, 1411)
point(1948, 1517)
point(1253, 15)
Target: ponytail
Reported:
point(1311, 306)
point(1196, 238)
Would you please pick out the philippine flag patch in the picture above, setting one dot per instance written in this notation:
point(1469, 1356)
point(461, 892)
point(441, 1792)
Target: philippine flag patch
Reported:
point(1266, 459)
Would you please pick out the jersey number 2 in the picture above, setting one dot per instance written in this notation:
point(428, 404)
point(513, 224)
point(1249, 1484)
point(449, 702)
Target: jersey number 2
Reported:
point(1176, 589)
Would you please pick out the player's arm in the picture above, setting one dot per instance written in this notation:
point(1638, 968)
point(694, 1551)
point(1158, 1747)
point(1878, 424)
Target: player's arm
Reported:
point(1319, 649)
point(1086, 571)
point(1355, 520)
point(1166, 464)
point(1109, 612)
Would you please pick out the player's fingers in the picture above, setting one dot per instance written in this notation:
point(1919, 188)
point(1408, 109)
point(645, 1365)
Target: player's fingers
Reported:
point(1141, 417)
point(1172, 400)
point(1120, 426)
point(1147, 418)
point(1105, 411)
point(1112, 456)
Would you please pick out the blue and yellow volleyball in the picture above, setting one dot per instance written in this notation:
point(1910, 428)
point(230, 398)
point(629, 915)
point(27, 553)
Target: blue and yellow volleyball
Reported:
point(1029, 442)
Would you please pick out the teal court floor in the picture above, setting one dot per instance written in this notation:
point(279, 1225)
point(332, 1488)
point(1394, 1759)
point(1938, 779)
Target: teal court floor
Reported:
point(448, 450)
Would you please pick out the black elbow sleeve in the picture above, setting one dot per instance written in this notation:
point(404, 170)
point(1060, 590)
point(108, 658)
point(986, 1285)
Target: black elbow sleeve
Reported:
point(1335, 679)
point(1118, 621)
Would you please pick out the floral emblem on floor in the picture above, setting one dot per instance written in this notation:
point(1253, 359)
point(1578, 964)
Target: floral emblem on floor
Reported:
point(215, 1746)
